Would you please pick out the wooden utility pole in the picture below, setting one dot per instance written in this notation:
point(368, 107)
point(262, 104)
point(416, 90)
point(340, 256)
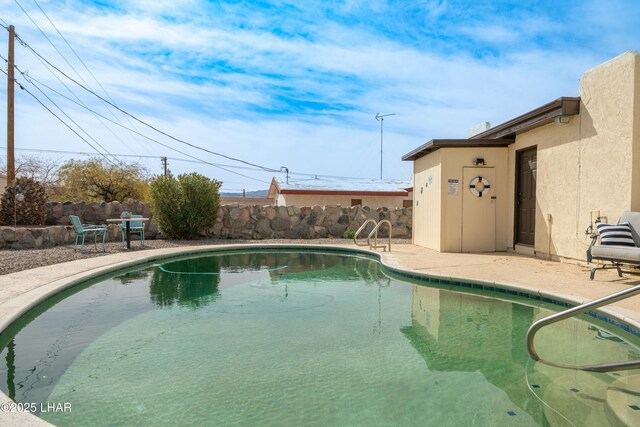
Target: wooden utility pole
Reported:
point(11, 165)
point(164, 163)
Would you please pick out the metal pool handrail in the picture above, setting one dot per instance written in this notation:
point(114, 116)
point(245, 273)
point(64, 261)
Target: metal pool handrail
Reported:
point(361, 229)
point(374, 233)
point(602, 367)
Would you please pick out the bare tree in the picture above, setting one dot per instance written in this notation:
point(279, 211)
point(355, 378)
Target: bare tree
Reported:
point(43, 170)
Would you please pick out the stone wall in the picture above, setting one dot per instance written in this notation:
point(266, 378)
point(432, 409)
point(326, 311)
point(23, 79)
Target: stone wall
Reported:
point(97, 212)
point(292, 222)
point(233, 222)
point(46, 237)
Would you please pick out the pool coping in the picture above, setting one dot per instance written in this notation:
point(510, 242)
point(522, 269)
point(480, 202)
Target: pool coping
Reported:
point(72, 273)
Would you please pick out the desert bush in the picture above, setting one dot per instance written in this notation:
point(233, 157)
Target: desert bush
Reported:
point(185, 206)
point(31, 210)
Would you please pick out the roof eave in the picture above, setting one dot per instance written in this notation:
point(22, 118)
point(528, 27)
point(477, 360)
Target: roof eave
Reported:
point(564, 106)
point(344, 192)
point(436, 144)
point(507, 131)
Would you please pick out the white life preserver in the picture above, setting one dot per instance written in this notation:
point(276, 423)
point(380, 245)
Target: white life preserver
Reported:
point(479, 186)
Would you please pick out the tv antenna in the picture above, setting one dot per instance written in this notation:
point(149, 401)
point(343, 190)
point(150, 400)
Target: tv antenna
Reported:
point(380, 118)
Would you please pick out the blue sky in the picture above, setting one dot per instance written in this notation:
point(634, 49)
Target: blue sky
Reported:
point(298, 83)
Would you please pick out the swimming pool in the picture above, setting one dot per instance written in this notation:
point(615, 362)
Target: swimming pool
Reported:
point(302, 337)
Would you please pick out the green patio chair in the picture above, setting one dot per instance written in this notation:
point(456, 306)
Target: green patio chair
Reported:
point(85, 230)
point(135, 227)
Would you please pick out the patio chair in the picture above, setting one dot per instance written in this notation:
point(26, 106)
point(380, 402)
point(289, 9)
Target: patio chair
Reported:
point(135, 227)
point(85, 230)
point(619, 244)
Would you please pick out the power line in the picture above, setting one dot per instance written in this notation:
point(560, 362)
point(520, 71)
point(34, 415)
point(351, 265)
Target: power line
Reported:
point(65, 60)
point(83, 63)
point(32, 79)
point(48, 39)
point(57, 117)
point(197, 160)
point(179, 159)
point(138, 156)
point(70, 91)
point(61, 110)
point(29, 79)
point(140, 120)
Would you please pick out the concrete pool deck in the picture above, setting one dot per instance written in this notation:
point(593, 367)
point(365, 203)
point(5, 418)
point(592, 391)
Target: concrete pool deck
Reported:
point(565, 281)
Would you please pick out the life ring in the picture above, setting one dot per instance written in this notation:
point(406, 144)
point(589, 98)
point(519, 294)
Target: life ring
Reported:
point(479, 186)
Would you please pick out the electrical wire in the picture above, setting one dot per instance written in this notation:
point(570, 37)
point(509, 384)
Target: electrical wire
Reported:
point(49, 40)
point(29, 79)
point(57, 117)
point(61, 82)
point(264, 168)
point(85, 66)
point(235, 159)
point(61, 110)
point(75, 123)
point(32, 79)
point(139, 156)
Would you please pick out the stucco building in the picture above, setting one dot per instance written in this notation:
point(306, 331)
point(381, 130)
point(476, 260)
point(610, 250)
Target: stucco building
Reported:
point(537, 182)
point(3, 183)
point(332, 192)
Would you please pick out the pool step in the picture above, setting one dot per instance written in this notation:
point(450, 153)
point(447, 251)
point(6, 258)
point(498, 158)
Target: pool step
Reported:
point(577, 398)
point(623, 401)
point(590, 399)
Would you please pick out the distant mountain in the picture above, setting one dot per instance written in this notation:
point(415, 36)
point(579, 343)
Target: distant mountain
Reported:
point(252, 194)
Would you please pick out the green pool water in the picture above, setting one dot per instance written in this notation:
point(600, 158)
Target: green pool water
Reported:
point(281, 338)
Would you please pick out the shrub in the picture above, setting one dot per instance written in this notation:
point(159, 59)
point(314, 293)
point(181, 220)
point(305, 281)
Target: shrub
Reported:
point(31, 210)
point(349, 234)
point(184, 207)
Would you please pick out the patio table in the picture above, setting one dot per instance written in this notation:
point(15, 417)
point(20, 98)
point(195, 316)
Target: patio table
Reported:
point(128, 226)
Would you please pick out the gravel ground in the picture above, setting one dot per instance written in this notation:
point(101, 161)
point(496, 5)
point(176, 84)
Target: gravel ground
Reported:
point(24, 259)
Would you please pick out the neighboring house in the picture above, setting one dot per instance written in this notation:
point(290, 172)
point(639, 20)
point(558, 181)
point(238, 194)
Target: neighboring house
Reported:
point(3, 184)
point(324, 192)
point(536, 183)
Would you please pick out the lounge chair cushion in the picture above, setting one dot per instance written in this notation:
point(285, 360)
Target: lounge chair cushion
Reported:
point(617, 253)
point(615, 235)
point(633, 218)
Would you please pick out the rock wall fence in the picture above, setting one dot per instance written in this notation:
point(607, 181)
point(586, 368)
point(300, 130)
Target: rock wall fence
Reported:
point(251, 222)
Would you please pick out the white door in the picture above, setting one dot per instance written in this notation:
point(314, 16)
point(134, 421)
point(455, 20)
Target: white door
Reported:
point(478, 210)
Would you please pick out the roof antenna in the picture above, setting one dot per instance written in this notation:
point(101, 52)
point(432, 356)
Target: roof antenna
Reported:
point(380, 118)
point(285, 169)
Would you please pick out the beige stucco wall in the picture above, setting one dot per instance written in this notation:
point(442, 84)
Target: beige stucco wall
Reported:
point(590, 164)
point(586, 167)
point(332, 200)
point(635, 191)
point(3, 183)
point(427, 206)
point(453, 162)
point(437, 219)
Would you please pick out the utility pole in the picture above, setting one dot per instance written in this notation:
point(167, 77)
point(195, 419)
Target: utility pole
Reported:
point(285, 169)
point(164, 164)
point(11, 165)
point(380, 118)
